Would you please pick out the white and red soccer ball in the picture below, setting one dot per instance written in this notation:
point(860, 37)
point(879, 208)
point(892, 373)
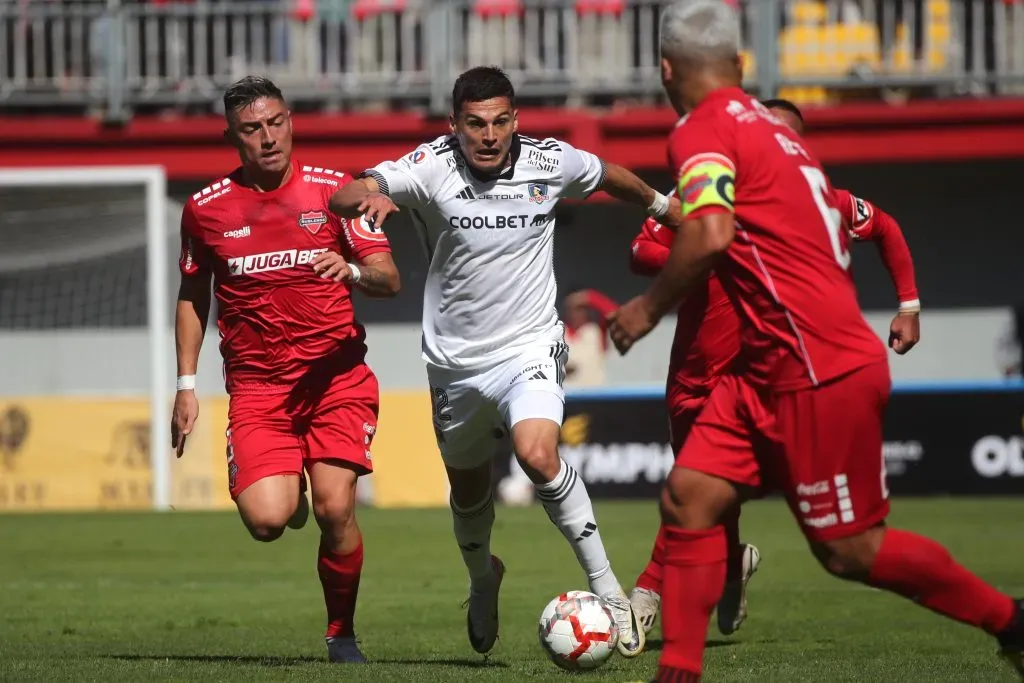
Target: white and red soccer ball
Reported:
point(578, 631)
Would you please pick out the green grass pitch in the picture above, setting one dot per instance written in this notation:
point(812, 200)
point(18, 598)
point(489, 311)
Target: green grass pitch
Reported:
point(188, 597)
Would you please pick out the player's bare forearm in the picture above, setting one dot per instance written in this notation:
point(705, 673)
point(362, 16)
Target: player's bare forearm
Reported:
point(378, 276)
point(190, 316)
point(346, 201)
point(698, 245)
point(626, 186)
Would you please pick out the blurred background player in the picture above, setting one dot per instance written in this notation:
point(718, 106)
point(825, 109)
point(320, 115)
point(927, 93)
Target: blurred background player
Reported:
point(585, 316)
point(484, 197)
point(806, 414)
point(705, 344)
point(301, 396)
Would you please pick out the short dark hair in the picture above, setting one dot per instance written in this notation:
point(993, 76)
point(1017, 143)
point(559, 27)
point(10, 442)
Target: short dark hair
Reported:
point(481, 83)
point(247, 90)
point(786, 105)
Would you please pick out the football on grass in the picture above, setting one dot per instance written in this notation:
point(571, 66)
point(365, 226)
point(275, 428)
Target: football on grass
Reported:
point(577, 631)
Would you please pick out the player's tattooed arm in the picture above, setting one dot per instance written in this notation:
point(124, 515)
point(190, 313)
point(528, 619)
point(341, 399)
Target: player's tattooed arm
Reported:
point(376, 275)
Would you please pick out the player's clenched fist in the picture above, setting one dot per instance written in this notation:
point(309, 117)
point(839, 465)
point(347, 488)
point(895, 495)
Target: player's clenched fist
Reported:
point(331, 265)
point(904, 332)
point(375, 208)
point(183, 419)
point(632, 322)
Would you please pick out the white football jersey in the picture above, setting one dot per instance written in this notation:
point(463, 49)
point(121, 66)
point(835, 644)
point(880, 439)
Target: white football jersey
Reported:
point(490, 288)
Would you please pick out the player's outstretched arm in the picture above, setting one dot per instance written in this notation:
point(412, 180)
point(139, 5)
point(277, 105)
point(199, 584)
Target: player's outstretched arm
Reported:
point(362, 197)
point(190, 317)
point(624, 185)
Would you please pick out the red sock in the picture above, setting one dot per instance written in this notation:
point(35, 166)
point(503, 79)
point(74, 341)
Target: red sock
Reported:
point(339, 576)
point(733, 547)
point(921, 570)
point(694, 579)
point(654, 572)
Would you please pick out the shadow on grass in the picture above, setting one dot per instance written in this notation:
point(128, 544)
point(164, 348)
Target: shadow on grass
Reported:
point(275, 661)
point(655, 644)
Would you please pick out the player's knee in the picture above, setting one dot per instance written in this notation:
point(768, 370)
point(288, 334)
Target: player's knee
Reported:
point(539, 460)
point(334, 510)
point(849, 558)
point(266, 529)
point(694, 500)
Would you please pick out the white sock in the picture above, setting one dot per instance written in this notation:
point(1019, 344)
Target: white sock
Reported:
point(567, 503)
point(473, 534)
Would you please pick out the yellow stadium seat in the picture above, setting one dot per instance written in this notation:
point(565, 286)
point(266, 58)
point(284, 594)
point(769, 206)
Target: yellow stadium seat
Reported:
point(808, 12)
point(939, 9)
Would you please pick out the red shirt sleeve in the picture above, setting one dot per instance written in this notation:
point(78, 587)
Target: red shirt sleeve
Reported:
point(600, 303)
point(359, 239)
point(702, 157)
point(650, 248)
point(868, 222)
point(194, 258)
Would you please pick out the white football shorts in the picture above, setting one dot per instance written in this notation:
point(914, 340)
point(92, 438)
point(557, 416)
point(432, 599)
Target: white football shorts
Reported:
point(475, 410)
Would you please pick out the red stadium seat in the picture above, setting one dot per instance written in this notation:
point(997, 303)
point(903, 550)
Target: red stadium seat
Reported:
point(304, 10)
point(497, 8)
point(368, 9)
point(613, 7)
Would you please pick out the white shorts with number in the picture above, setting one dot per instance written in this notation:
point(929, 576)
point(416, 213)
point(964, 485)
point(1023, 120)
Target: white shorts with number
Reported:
point(475, 410)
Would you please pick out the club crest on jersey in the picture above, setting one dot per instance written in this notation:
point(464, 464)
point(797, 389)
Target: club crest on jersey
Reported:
point(538, 192)
point(313, 220)
point(862, 213)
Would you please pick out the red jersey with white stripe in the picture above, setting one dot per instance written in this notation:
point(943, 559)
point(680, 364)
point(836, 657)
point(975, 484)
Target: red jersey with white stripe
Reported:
point(278, 320)
point(786, 271)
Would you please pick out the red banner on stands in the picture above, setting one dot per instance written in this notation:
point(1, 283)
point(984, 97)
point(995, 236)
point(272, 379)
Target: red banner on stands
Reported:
point(193, 148)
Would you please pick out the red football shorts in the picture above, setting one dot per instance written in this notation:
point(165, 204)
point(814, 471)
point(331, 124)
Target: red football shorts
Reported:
point(821, 447)
point(682, 413)
point(271, 433)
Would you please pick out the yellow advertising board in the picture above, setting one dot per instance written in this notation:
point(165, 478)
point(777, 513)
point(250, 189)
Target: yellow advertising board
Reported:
point(89, 453)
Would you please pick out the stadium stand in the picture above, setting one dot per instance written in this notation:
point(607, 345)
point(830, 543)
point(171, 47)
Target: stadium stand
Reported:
point(122, 57)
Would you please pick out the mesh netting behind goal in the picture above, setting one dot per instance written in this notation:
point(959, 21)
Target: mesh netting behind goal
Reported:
point(75, 257)
point(86, 289)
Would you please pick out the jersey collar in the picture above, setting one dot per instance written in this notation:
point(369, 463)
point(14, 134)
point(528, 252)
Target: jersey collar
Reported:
point(513, 157)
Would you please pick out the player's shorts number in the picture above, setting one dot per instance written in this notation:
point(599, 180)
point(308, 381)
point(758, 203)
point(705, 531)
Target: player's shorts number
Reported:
point(833, 220)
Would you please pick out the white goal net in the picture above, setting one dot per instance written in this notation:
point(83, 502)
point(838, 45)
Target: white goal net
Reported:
point(86, 341)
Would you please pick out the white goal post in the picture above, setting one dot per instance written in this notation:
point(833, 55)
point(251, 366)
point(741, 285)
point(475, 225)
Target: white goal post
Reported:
point(62, 223)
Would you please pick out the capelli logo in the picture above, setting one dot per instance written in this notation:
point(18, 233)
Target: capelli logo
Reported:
point(243, 231)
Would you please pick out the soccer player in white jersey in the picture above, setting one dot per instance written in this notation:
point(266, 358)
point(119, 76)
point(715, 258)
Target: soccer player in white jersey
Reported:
point(483, 198)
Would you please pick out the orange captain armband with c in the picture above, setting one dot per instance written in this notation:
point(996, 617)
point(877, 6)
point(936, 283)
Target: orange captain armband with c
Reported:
point(707, 180)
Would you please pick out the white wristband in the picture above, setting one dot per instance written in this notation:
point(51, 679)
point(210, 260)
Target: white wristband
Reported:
point(911, 306)
point(186, 382)
point(658, 207)
point(355, 273)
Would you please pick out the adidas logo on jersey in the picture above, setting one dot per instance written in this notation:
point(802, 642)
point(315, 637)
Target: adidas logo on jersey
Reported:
point(466, 193)
point(272, 260)
point(538, 375)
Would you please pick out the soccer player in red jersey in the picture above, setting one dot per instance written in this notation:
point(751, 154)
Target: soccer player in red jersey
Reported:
point(803, 412)
point(706, 342)
point(283, 270)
